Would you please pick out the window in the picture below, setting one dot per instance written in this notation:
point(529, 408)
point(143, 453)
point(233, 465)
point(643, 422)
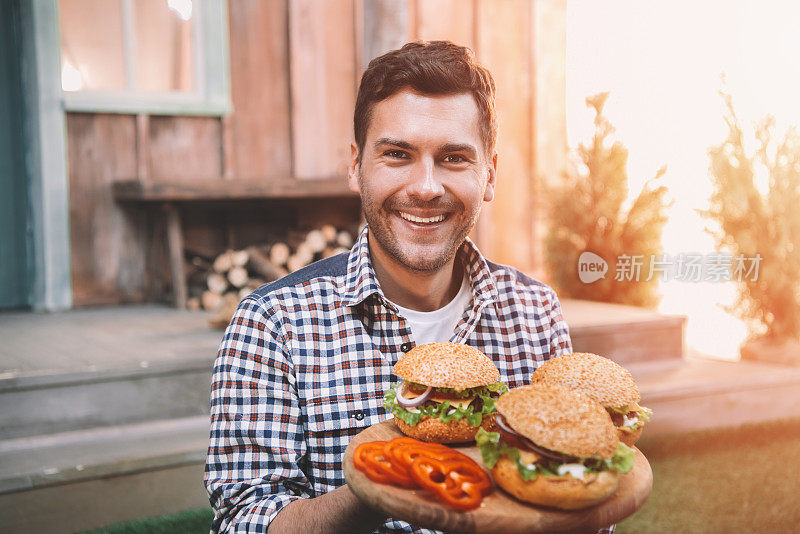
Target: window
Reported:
point(144, 56)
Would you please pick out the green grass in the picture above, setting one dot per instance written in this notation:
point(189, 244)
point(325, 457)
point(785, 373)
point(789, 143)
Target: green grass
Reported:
point(744, 479)
point(190, 522)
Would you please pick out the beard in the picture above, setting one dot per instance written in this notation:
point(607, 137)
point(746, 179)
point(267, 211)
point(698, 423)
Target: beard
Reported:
point(417, 255)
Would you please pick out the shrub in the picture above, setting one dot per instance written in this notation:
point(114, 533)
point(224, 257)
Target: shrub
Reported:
point(765, 223)
point(586, 214)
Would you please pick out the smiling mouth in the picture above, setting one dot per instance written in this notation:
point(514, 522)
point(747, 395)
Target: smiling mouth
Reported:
point(422, 220)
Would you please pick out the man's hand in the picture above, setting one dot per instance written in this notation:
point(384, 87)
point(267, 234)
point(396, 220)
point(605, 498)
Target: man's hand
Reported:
point(336, 511)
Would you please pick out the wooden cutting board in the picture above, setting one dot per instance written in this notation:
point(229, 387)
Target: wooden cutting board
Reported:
point(499, 512)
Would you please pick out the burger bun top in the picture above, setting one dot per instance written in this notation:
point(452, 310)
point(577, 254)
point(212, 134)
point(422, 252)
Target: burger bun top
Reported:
point(603, 380)
point(447, 365)
point(560, 420)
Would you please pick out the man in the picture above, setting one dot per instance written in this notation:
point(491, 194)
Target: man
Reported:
point(306, 360)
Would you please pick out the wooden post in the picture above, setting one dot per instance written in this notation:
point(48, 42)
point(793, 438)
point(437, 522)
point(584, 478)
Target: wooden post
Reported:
point(175, 245)
point(228, 155)
point(143, 147)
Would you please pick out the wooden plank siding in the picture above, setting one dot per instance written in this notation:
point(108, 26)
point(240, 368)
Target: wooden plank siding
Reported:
point(452, 20)
point(322, 73)
point(259, 48)
point(385, 26)
point(108, 264)
point(295, 67)
point(504, 48)
point(523, 43)
point(185, 147)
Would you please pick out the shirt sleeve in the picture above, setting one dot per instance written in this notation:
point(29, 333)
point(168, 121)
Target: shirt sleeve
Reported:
point(257, 446)
point(560, 342)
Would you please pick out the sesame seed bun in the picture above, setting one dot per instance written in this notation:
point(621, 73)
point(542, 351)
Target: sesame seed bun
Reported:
point(629, 436)
point(447, 365)
point(562, 492)
point(601, 379)
point(437, 431)
point(560, 420)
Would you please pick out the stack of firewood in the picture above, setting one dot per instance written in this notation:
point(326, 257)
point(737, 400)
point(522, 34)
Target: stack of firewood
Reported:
point(219, 284)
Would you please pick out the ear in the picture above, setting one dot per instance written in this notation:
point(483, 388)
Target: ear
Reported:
point(488, 193)
point(352, 169)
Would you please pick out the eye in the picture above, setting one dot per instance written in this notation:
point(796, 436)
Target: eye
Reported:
point(454, 158)
point(396, 154)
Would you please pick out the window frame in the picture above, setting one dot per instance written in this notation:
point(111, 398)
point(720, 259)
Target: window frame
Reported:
point(211, 96)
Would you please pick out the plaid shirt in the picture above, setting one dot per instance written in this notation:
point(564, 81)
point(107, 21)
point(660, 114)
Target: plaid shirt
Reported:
point(306, 360)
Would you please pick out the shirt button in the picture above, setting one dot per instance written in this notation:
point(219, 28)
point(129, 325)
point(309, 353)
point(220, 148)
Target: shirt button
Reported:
point(358, 415)
point(405, 347)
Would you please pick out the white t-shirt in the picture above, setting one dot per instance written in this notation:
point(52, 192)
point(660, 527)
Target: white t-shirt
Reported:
point(438, 325)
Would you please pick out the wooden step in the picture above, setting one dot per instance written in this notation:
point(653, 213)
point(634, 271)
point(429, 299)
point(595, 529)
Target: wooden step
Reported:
point(85, 479)
point(698, 394)
point(104, 366)
point(48, 402)
point(625, 334)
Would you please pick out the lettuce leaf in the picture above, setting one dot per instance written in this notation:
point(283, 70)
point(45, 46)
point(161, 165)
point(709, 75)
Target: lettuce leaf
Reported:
point(444, 410)
point(645, 414)
point(489, 445)
point(390, 403)
point(492, 448)
point(527, 472)
point(497, 386)
point(622, 460)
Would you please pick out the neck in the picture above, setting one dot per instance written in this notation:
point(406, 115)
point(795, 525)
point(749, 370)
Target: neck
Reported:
point(416, 290)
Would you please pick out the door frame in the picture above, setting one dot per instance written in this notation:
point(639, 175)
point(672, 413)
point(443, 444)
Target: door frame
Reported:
point(46, 156)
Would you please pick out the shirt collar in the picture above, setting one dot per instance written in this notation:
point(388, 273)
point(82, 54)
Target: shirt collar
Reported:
point(360, 281)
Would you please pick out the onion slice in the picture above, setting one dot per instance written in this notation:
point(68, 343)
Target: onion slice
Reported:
point(411, 403)
point(526, 443)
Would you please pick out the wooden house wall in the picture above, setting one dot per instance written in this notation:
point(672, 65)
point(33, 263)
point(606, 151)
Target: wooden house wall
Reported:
point(294, 69)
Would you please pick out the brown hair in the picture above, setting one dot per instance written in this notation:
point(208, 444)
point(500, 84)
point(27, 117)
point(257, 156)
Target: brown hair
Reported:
point(434, 68)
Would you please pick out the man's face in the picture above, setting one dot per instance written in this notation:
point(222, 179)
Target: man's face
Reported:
point(423, 176)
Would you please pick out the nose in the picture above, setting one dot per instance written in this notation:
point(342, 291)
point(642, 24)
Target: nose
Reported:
point(426, 184)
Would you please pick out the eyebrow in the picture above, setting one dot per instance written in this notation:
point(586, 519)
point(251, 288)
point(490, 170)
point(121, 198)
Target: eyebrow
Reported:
point(461, 147)
point(393, 142)
point(450, 147)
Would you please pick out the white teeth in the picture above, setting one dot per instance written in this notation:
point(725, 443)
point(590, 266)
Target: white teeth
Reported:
point(408, 217)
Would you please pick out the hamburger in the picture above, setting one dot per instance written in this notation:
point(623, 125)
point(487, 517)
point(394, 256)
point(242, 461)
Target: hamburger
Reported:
point(606, 382)
point(555, 448)
point(447, 393)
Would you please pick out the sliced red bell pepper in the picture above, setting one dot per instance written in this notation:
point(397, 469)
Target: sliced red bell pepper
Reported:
point(453, 478)
point(371, 459)
point(456, 482)
point(362, 463)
